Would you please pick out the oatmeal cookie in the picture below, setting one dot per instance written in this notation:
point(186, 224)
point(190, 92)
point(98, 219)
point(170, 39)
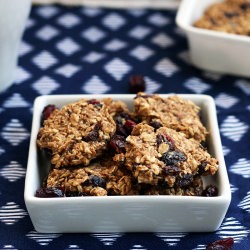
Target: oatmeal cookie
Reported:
point(116, 107)
point(231, 16)
point(100, 178)
point(173, 112)
point(166, 156)
point(78, 132)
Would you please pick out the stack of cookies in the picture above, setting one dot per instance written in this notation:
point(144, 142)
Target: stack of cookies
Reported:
point(100, 147)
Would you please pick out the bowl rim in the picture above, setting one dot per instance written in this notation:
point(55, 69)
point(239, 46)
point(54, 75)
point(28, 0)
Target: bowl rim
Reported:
point(225, 193)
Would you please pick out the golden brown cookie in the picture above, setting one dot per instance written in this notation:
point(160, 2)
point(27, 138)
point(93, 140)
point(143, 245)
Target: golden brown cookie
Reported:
point(172, 112)
point(164, 155)
point(100, 178)
point(78, 132)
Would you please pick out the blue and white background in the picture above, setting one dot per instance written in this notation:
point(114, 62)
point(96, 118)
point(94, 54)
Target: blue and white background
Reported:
point(88, 50)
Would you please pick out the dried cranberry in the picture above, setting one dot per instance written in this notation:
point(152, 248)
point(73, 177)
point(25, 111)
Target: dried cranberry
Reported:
point(97, 181)
point(167, 139)
point(129, 125)
point(155, 124)
point(170, 142)
point(94, 134)
point(122, 117)
point(183, 181)
point(224, 244)
point(51, 192)
point(160, 139)
point(173, 157)
point(203, 145)
point(125, 115)
point(201, 168)
point(47, 111)
point(117, 142)
point(119, 120)
point(120, 130)
point(245, 6)
point(171, 170)
point(93, 101)
point(124, 124)
point(231, 14)
point(136, 84)
point(74, 194)
point(210, 191)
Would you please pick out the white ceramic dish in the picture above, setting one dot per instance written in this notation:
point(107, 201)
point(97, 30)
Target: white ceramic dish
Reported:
point(165, 4)
point(126, 213)
point(213, 50)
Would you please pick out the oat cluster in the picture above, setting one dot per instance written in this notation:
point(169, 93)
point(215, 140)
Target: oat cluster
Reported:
point(99, 147)
point(230, 16)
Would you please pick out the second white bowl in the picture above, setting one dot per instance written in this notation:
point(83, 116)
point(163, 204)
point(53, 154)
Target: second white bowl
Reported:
point(213, 50)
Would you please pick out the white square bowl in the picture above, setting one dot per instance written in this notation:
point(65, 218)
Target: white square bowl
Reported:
point(213, 50)
point(126, 213)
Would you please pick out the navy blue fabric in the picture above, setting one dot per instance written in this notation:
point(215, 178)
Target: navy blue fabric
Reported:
point(83, 50)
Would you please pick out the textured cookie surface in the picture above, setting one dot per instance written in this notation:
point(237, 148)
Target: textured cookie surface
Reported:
point(100, 178)
point(78, 132)
point(166, 156)
point(230, 16)
point(173, 112)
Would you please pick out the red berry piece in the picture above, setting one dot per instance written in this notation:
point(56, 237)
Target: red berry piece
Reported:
point(155, 124)
point(97, 181)
point(121, 130)
point(117, 142)
point(129, 125)
point(184, 181)
point(167, 139)
point(51, 192)
point(202, 168)
point(136, 84)
point(210, 191)
point(171, 170)
point(224, 244)
point(94, 134)
point(245, 6)
point(47, 111)
point(93, 101)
